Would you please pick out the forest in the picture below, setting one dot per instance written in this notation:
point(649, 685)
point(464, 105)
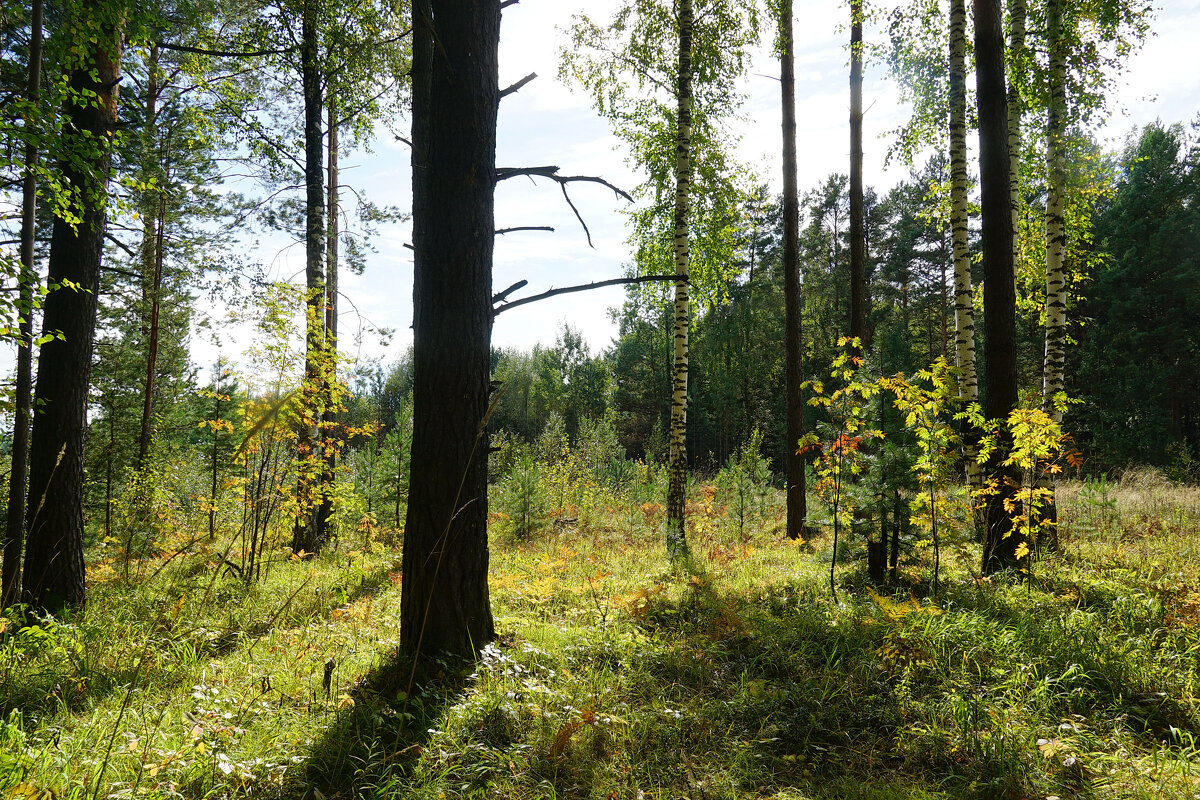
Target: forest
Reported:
point(880, 490)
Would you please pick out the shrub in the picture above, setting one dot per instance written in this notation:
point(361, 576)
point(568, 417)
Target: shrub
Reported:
point(522, 497)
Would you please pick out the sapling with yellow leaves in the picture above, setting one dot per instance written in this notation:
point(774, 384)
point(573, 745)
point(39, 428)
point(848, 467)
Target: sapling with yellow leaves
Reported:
point(925, 402)
point(1036, 453)
point(842, 460)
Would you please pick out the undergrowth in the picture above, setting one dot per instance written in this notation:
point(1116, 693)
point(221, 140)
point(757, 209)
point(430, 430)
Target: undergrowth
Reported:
point(616, 677)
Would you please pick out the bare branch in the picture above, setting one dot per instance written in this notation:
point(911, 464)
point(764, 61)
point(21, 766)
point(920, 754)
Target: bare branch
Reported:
point(517, 86)
point(584, 287)
point(521, 284)
point(128, 250)
point(508, 3)
point(502, 231)
point(551, 172)
point(122, 272)
point(204, 51)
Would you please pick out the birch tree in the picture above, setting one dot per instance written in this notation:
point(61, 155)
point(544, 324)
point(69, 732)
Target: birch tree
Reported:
point(665, 74)
point(1085, 45)
point(929, 55)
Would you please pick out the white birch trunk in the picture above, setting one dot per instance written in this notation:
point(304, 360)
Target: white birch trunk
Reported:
point(964, 294)
point(1056, 284)
point(677, 485)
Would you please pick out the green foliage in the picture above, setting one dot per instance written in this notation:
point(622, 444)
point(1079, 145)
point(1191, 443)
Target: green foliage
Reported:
point(523, 499)
point(840, 442)
point(745, 484)
point(740, 681)
point(926, 403)
point(1137, 369)
point(629, 66)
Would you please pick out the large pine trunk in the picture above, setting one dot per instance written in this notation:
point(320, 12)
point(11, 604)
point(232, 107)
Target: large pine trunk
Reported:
point(328, 419)
point(54, 568)
point(677, 483)
point(876, 547)
point(154, 219)
point(14, 533)
point(444, 604)
point(1001, 542)
point(308, 535)
point(797, 498)
point(858, 236)
point(964, 293)
point(1018, 10)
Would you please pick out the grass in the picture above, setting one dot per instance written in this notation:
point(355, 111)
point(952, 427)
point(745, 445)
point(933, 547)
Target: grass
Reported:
point(615, 677)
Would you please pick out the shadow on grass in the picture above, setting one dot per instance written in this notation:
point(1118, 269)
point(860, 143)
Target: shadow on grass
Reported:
point(774, 695)
point(48, 667)
point(374, 743)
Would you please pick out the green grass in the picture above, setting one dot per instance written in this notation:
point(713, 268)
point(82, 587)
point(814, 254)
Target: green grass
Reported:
point(615, 676)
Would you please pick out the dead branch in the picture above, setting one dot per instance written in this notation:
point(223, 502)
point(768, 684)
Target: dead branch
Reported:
point(204, 51)
point(502, 231)
point(517, 86)
point(496, 298)
point(551, 172)
point(583, 287)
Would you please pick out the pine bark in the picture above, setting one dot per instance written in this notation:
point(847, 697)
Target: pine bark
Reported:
point(964, 292)
point(1056, 240)
point(1018, 11)
point(877, 547)
point(308, 535)
point(328, 419)
point(54, 568)
point(153, 219)
point(1001, 542)
point(14, 528)
point(677, 483)
point(444, 602)
point(797, 497)
point(858, 238)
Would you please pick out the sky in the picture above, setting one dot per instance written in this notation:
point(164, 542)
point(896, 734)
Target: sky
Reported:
point(546, 123)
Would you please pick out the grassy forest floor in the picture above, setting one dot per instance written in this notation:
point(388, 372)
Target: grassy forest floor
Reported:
point(614, 677)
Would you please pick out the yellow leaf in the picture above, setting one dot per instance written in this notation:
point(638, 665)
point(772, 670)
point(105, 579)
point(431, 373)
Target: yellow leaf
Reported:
point(1050, 747)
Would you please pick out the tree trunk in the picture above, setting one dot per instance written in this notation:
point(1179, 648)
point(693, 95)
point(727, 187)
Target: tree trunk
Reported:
point(1017, 12)
point(877, 547)
point(964, 293)
point(1056, 242)
point(54, 568)
point(329, 375)
point(158, 225)
point(153, 221)
point(216, 432)
point(677, 485)
point(1001, 542)
point(308, 535)
point(797, 497)
point(444, 603)
point(858, 238)
point(14, 532)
